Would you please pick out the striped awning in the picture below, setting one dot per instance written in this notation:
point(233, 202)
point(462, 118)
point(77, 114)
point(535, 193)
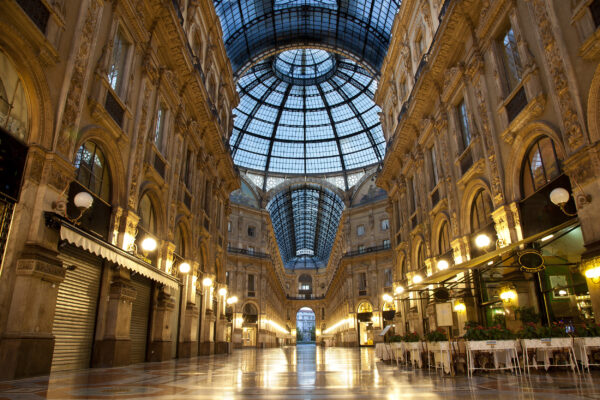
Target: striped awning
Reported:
point(114, 254)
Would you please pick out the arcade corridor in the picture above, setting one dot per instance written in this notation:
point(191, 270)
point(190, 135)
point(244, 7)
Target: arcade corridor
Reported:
point(297, 372)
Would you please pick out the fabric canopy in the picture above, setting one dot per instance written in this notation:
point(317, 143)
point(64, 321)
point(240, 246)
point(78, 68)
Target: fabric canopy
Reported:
point(112, 253)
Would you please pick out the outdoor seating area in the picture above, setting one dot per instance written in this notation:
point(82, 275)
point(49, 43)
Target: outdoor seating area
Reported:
point(534, 347)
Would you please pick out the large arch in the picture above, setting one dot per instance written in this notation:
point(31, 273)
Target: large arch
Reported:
point(25, 59)
point(519, 149)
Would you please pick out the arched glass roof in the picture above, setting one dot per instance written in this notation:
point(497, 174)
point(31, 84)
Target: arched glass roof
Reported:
point(305, 220)
point(255, 28)
point(307, 112)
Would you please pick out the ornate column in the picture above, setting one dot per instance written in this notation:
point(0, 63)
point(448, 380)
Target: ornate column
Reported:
point(188, 336)
point(161, 344)
point(221, 323)
point(112, 346)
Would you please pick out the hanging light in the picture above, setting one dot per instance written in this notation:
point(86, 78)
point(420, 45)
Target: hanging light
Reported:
point(83, 200)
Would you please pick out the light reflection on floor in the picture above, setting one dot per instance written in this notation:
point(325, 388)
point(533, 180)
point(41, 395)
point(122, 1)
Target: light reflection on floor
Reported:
point(303, 372)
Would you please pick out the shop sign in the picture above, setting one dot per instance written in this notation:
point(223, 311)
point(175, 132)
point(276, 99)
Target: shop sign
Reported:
point(531, 261)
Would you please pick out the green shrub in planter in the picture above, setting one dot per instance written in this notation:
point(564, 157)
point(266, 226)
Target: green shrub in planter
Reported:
point(395, 338)
point(411, 337)
point(439, 335)
point(532, 331)
point(478, 332)
point(589, 329)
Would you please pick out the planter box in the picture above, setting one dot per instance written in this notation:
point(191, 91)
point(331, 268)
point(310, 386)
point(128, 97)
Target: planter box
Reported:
point(547, 343)
point(438, 346)
point(488, 345)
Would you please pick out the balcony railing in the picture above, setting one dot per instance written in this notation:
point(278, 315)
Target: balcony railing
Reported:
point(368, 250)
point(305, 297)
point(253, 253)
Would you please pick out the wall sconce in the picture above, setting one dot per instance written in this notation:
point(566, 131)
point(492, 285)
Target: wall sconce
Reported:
point(399, 289)
point(207, 282)
point(387, 298)
point(593, 274)
point(148, 245)
point(442, 265)
point(82, 200)
point(417, 279)
point(507, 295)
point(223, 292)
point(482, 241)
point(232, 300)
point(560, 196)
point(460, 307)
point(184, 268)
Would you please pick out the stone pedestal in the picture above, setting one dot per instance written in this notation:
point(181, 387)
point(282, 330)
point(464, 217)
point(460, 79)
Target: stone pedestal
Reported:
point(161, 345)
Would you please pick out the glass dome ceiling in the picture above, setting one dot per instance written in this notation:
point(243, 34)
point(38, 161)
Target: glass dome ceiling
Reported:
point(305, 219)
point(307, 112)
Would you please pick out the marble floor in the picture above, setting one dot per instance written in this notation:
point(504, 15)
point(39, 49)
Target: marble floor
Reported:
point(303, 372)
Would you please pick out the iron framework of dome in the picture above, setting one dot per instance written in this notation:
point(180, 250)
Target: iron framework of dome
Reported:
point(305, 220)
point(253, 29)
point(307, 112)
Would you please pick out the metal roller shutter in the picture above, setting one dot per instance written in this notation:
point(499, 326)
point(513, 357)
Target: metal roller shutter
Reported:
point(140, 311)
point(75, 314)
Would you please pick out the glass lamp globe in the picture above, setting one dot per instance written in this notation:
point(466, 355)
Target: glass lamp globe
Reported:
point(442, 265)
point(83, 200)
point(149, 244)
point(417, 279)
point(399, 289)
point(482, 241)
point(206, 282)
point(559, 196)
point(184, 268)
point(222, 291)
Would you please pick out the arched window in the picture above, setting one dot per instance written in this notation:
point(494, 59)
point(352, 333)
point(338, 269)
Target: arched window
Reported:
point(481, 211)
point(444, 239)
point(92, 170)
point(541, 166)
point(147, 215)
point(421, 256)
point(13, 104)
point(179, 241)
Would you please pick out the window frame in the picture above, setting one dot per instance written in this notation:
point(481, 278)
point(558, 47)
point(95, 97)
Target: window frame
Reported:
point(526, 166)
point(90, 170)
point(484, 195)
point(120, 86)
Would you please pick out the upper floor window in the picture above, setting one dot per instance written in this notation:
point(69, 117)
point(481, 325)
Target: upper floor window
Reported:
point(179, 241)
point(160, 127)
point(463, 124)
point(116, 70)
point(250, 250)
point(361, 248)
point(251, 287)
point(540, 167)
point(412, 198)
point(433, 166)
point(421, 256)
point(362, 281)
point(13, 104)
point(360, 230)
point(187, 170)
point(444, 239)
point(251, 231)
point(386, 243)
point(595, 11)
point(481, 211)
point(227, 278)
point(388, 278)
point(403, 90)
point(228, 226)
point(420, 44)
point(147, 214)
point(385, 224)
point(511, 62)
point(92, 171)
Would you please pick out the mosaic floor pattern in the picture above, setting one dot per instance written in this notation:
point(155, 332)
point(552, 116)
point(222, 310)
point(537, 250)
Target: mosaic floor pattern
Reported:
point(303, 372)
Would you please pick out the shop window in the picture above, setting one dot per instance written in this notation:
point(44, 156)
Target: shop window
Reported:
point(13, 104)
point(481, 211)
point(511, 62)
point(541, 166)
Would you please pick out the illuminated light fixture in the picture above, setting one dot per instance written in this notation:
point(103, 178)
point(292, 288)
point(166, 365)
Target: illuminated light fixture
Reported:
point(482, 241)
point(184, 268)
point(593, 274)
point(387, 298)
point(460, 307)
point(83, 200)
point(149, 244)
point(399, 290)
point(508, 295)
point(232, 300)
point(417, 279)
point(223, 291)
point(206, 282)
point(560, 196)
point(562, 292)
point(442, 265)
point(490, 262)
point(547, 238)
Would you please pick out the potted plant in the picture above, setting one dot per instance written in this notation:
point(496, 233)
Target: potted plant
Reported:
point(414, 347)
point(553, 337)
point(587, 336)
point(437, 339)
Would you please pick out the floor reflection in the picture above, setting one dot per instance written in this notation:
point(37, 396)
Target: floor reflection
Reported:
point(303, 372)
